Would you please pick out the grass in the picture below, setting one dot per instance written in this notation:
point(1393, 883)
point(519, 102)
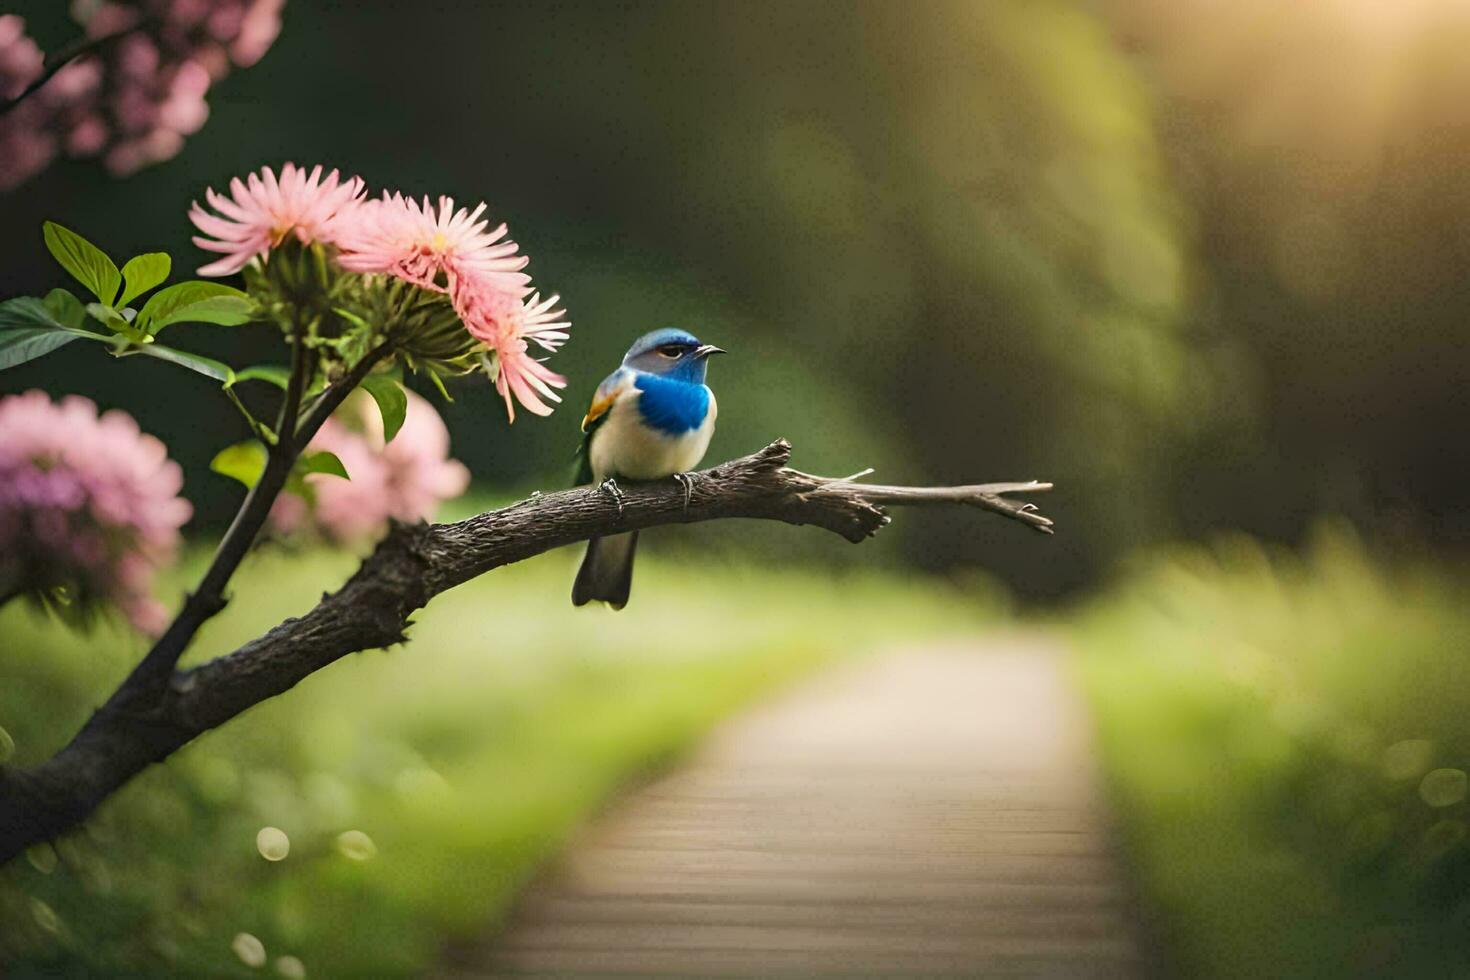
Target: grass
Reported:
point(454, 765)
point(1286, 740)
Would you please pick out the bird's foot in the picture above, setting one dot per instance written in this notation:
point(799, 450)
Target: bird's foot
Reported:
point(686, 480)
point(611, 488)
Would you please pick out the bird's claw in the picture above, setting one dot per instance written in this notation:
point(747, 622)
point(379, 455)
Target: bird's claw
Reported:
point(611, 488)
point(686, 480)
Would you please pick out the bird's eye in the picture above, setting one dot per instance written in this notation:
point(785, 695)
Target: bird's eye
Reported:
point(671, 350)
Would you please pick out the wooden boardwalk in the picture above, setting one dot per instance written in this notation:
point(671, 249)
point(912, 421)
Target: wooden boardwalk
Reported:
point(929, 812)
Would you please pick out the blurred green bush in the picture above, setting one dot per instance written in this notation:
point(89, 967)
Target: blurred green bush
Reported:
point(1287, 740)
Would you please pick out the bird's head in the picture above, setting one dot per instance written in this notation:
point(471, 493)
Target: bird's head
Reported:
point(671, 352)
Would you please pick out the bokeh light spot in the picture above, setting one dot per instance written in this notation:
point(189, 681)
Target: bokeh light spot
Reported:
point(290, 967)
point(250, 950)
point(42, 857)
point(1407, 759)
point(1443, 787)
point(356, 845)
point(272, 843)
point(45, 916)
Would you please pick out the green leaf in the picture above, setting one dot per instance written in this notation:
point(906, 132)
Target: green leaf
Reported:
point(322, 462)
point(87, 263)
point(270, 373)
point(206, 366)
point(142, 273)
point(352, 318)
point(439, 383)
point(392, 402)
point(28, 331)
point(66, 308)
point(244, 461)
point(195, 301)
point(109, 318)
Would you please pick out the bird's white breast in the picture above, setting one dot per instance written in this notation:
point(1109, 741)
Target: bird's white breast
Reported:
point(625, 446)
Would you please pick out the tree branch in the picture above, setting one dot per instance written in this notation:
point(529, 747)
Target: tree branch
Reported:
point(413, 564)
point(65, 56)
point(208, 598)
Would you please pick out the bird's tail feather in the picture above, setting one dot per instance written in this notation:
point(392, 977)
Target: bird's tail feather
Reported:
point(606, 574)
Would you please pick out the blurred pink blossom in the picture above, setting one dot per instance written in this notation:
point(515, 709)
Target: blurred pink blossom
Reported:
point(26, 146)
point(407, 479)
point(134, 100)
point(257, 31)
point(20, 60)
point(261, 211)
point(87, 503)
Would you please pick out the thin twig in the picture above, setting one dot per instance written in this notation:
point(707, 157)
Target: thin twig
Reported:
point(335, 394)
point(987, 496)
point(59, 60)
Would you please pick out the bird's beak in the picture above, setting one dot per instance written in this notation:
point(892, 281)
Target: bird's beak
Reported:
point(705, 350)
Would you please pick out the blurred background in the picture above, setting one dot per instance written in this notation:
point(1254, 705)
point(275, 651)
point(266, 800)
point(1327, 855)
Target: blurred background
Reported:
point(1205, 266)
point(1202, 266)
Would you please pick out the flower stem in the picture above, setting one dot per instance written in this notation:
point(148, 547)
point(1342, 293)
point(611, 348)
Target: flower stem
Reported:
point(208, 598)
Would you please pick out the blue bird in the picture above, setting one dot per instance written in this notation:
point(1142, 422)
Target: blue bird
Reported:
point(651, 418)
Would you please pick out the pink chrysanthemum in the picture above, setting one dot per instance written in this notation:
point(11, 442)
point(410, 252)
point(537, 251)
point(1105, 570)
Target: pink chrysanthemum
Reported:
point(261, 211)
point(455, 251)
point(88, 504)
point(437, 249)
point(407, 479)
point(508, 325)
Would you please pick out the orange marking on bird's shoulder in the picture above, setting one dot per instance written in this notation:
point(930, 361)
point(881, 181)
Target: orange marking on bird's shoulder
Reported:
point(598, 409)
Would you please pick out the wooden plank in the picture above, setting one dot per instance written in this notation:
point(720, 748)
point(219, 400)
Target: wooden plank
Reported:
point(932, 812)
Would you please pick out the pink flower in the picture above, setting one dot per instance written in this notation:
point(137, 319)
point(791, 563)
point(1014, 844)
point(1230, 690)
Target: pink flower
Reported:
point(135, 100)
point(455, 251)
point(258, 30)
point(20, 59)
point(26, 145)
point(262, 211)
point(185, 110)
point(407, 479)
point(435, 249)
point(507, 326)
point(87, 503)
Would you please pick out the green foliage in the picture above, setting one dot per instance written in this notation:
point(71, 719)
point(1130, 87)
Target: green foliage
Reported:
point(392, 402)
point(142, 273)
point(66, 308)
point(1287, 741)
point(31, 328)
point(195, 301)
point(207, 366)
point(321, 462)
point(244, 461)
point(270, 373)
point(418, 789)
point(109, 317)
point(87, 263)
point(28, 329)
